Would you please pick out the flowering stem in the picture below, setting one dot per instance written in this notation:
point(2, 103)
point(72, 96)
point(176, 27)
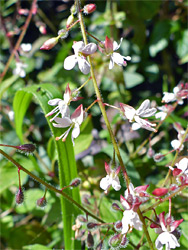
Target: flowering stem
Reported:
point(165, 199)
point(145, 229)
point(175, 157)
point(19, 40)
point(93, 37)
point(48, 186)
point(77, 90)
point(91, 105)
point(99, 97)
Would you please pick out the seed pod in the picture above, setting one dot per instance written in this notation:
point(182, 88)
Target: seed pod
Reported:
point(41, 202)
point(124, 241)
point(20, 196)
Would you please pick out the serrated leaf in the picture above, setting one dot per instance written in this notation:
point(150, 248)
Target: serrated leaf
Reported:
point(66, 159)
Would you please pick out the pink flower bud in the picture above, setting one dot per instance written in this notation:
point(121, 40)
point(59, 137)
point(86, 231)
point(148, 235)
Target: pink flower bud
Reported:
point(89, 8)
point(50, 43)
point(176, 172)
point(23, 12)
point(160, 191)
point(158, 157)
point(76, 182)
point(42, 29)
point(70, 20)
point(41, 202)
point(90, 240)
point(20, 196)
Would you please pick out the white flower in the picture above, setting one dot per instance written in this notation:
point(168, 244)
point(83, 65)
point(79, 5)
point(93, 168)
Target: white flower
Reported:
point(134, 115)
point(111, 179)
point(180, 92)
point(167, 239)
point(130, 219)
point(137, 194)
point(62, 105)
point(164, 111)
point(81, 52)
point(73, 123)
point(19, 70)
point(109, 47)
point(177, 142)
point(26, 47)
point(166, 236)
point(183, 165)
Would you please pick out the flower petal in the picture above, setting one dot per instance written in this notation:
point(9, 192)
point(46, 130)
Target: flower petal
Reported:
point(129, 111)
point(115, 44)
point(89, 49)
point(118, 59)
point(78, 46)
point(76, 131)
point(116, 184)
point(62, 122)
point(83, 65)
point(70, 62)
point(54, 102)
point(105, 182)
point(111, 64)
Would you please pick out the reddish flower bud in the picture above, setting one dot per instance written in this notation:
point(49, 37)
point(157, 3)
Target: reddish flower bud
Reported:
point(23, 12)
point(90, 240)
point(92, 225)
point(27, 148)
point(99, 246)
point(76, 182)
point(115, 206)
point(81, 218)
point(158, 157)
point(176, 171)
point(50, 43)
point(115, 240)
point(124, 241)
point(118, 225)
point(42, 29)
point(89, 8)
point(20, 196)
point(160, 191)
point(41, 202)
point(85, 199)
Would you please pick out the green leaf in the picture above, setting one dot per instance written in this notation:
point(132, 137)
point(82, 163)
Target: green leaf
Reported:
point(132, 79)
point(36, 247)
point(6, 84)
point(85, 138)
point(66, 159)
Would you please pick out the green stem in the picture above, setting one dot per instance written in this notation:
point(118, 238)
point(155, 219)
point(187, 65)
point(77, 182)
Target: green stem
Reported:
point(48, 186)
point(145, 229)
point(99, 98)
point(165, 199)
point(176, 155)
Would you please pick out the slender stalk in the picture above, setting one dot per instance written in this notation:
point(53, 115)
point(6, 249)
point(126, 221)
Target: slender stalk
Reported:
point(175, 157)
point(19, 40)
point(145, 229)
point(99, 98)
point(48, 186)
point(165, 199)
